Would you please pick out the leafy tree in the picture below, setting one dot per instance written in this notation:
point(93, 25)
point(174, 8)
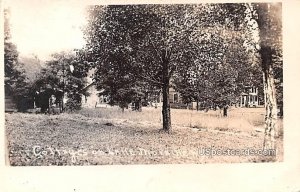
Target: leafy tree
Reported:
point(72, 71)
point(111, 56)
point(65, 73)
point(151, 40)
point(158, 43)
point(32, 66)
point(116, 81)
point(15, 80)
point(221, 63)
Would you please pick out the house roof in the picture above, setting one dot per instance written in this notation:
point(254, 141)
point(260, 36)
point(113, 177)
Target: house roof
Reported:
point(89, 85)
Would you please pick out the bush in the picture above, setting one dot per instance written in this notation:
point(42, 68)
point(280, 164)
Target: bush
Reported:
point(73, 105)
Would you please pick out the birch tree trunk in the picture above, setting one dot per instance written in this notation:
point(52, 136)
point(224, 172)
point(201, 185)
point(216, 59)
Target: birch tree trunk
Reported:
point(269, 32)
point(270, 99)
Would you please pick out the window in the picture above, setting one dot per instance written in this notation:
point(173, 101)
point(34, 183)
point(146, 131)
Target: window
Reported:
point(175, 98)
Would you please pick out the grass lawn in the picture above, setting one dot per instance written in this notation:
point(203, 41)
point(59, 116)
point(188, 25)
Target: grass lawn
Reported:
point(108, 136)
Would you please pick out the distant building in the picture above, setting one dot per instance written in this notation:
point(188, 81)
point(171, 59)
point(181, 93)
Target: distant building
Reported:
point(92, 99)
point(10, 105)
point(249, 98)
point(22, 103)
point(174, 96)
point(47, 98)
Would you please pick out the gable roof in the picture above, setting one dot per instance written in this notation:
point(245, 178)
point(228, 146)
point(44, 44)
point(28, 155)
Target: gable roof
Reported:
point(88, 86)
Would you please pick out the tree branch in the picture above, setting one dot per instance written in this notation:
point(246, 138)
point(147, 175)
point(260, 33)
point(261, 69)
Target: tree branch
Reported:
point(157, 83)
point(158, 54)
point(172, 70)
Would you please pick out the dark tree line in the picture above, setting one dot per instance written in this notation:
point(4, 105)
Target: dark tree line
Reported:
point(16, 84)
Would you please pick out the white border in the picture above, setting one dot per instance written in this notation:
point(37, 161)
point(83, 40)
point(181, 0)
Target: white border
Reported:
point(209, 177)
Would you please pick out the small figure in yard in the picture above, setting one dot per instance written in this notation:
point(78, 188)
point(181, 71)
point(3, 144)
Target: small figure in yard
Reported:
point(225, 109)
point(137, 105)
point(53, 106)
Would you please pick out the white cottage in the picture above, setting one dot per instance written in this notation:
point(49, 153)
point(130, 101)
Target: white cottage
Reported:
point(249, 98)
point(93, 99)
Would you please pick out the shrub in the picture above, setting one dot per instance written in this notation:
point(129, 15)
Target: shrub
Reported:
point(73, 105)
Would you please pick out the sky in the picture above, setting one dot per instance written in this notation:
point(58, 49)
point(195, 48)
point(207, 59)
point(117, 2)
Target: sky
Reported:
point(43, 27)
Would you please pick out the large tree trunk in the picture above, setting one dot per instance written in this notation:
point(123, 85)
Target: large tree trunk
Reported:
point(270, 99)
point(166, 113)
point(269, 23)
point(225, 111)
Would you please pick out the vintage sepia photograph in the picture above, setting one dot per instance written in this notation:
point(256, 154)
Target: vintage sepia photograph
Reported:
point(140, 84)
